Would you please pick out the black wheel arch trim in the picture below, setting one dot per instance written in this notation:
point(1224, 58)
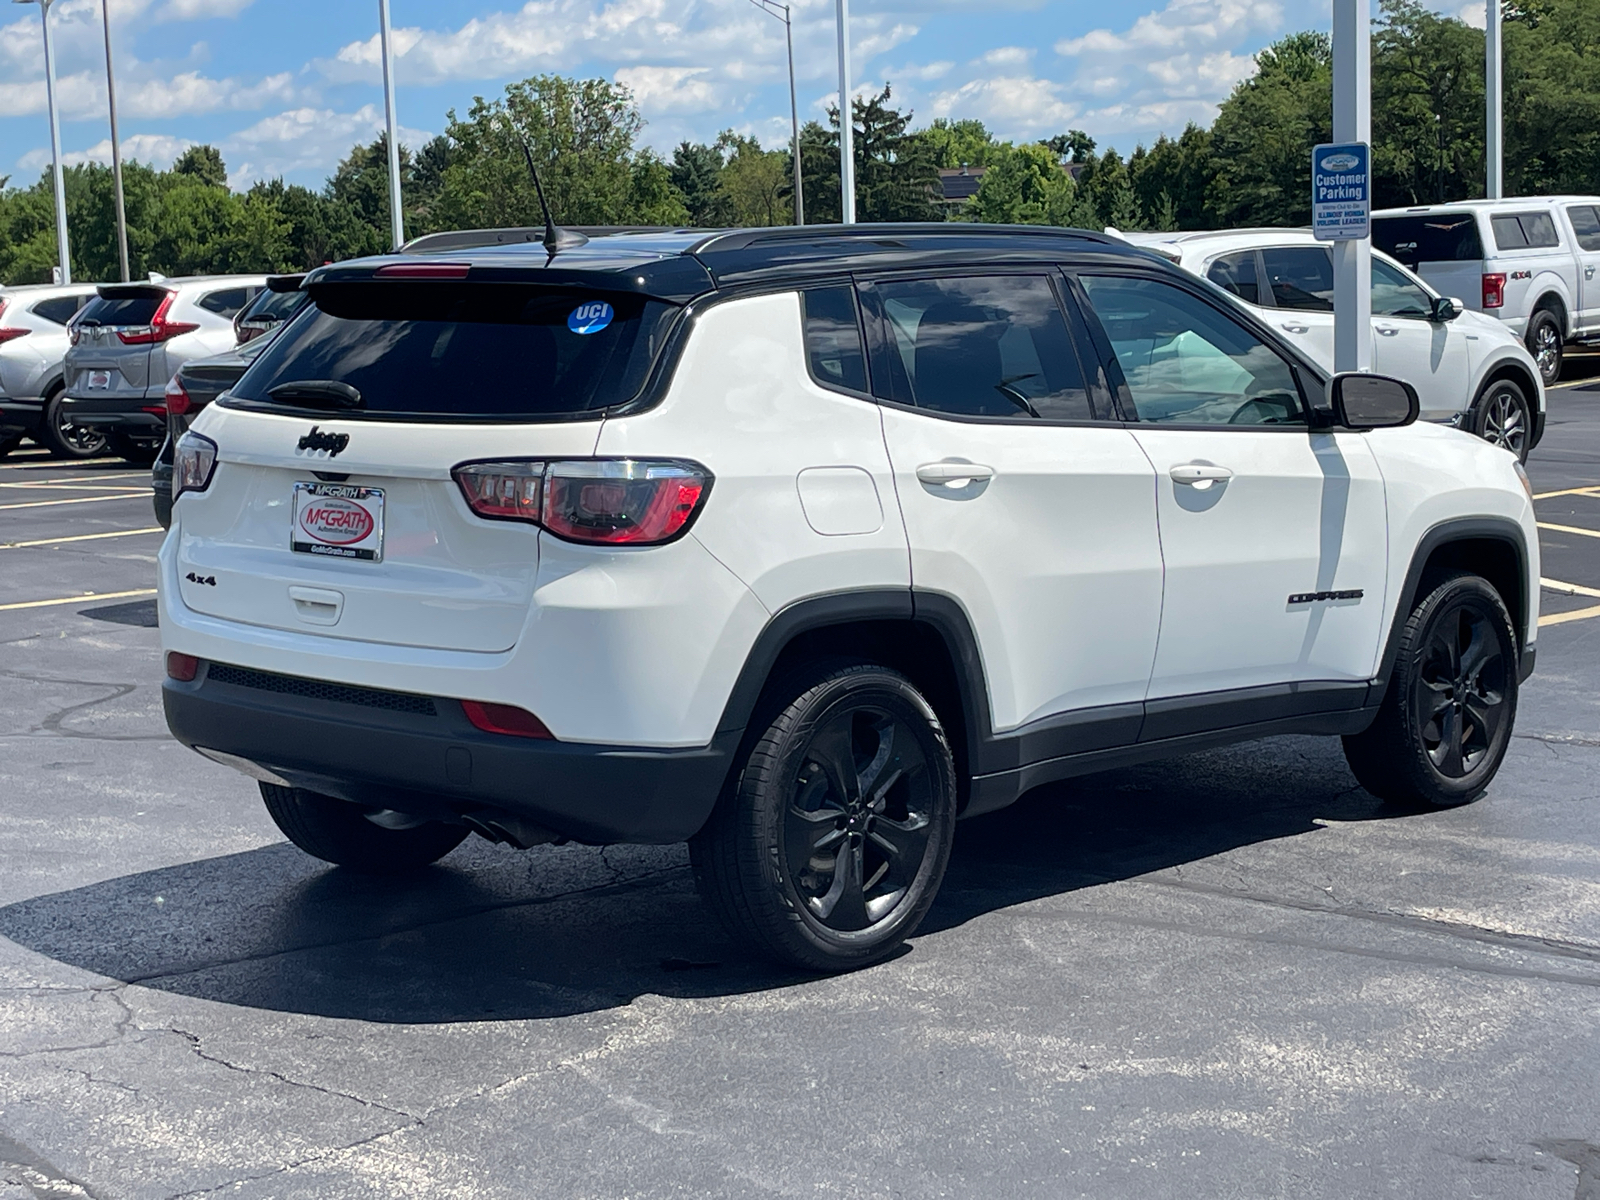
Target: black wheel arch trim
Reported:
point(1459, 529)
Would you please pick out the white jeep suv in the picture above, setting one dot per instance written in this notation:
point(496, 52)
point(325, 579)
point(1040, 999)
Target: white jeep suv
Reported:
point(1469, 370)
point(802, 544)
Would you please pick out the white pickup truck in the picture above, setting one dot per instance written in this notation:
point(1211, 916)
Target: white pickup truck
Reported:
point(1533, 262)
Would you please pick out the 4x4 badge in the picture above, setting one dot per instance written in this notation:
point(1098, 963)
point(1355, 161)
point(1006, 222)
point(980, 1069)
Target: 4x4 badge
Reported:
point(331, 442)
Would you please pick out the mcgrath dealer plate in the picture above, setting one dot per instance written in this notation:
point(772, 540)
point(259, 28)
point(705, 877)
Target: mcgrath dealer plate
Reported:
point(338, 521)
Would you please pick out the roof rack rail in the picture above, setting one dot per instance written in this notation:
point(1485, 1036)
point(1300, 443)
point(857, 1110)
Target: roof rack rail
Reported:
point(469, 239)
point(739, 239)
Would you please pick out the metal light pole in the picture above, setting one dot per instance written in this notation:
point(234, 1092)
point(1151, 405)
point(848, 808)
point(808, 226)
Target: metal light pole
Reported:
point(397, 225)
point(1492, 85)
point(62, 249)
point(775, 9)
point(847, 139)
point(1352, 122)
point(116, 148)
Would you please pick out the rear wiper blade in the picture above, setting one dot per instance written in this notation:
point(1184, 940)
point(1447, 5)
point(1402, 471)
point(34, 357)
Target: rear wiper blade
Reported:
point(317, 393)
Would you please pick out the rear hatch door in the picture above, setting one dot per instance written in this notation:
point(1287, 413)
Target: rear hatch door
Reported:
point(111, 358)
point(346, 522)
point(1445, 248)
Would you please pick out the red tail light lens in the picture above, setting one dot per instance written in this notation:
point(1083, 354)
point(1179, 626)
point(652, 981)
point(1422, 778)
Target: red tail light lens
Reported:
point(506, 719)
point(10, 334)
point(178, 402)
point(606, 501)
point(1494, 291)
point(159, 330)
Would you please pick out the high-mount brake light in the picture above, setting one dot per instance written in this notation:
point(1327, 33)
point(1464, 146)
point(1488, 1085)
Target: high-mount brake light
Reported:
point(159, 330)
point(507, 719)
point(422, 271)
point(1494, 290)
point(598, 501)
point(178, 402)
point(194, 461)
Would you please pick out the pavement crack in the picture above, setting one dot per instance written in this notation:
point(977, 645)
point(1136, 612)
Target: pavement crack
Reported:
point(38, 1175)
point(1558, 739)
point(195, 1046)
point(306, 1161)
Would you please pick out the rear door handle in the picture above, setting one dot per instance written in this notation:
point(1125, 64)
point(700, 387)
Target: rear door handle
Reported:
point(953, 472)
point(1199, 473)
point(1292, 327)
point(1387, 330)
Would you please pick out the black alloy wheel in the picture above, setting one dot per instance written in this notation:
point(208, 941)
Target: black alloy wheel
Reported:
point(829, 848)
point(1504, 419)
point(1446, 720)
point(64, 439)
point(1545, 344)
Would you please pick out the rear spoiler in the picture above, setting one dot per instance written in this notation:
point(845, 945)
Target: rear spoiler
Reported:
point(285, 283)
point(132, 291)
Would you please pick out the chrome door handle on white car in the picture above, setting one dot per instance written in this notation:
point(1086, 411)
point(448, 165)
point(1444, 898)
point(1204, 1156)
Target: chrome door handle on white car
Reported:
point(955, 474)
point(1196, 474)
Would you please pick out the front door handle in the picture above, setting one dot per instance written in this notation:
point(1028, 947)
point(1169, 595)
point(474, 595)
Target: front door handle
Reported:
point(953, 473)
point(1588, 272)
point(1199, 474)
point(1387, 330)
point(1294, 327)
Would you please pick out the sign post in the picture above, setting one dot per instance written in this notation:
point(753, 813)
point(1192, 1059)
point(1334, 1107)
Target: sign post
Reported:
point(1341, 186)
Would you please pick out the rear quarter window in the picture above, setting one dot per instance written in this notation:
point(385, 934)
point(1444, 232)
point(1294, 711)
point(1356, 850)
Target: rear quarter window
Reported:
point(228, 301)
point(59, 308)
point(1524, 231)
point(1436, 237)
point(466, 351)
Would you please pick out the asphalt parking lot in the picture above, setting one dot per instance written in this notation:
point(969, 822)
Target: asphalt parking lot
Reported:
point(1232, 975)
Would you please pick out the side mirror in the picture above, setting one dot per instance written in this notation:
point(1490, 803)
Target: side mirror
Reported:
point(1362, 401)
point(1446, 308)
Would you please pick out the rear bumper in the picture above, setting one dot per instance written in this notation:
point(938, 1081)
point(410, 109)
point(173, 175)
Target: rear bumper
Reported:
point(421, 755)
point(126, 412)
point(20, 415)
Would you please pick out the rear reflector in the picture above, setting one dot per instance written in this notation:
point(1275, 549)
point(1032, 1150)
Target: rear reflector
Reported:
point(182, 667)
point(422, 271)
point(1494, 291)
point(505, 718)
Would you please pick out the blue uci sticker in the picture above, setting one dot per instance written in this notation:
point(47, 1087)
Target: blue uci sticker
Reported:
point(590, 317)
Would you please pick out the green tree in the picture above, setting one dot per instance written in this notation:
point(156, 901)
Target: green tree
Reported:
point(1427, 107)
point(202, 164)
point(757, 183)
point(965, 143)
point(897, 173)
point(1170, 179)
point(1026, 185)
point(1072, 146)
point(696, 172)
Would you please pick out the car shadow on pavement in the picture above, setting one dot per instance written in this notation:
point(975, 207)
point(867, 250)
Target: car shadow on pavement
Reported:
point(491, 934)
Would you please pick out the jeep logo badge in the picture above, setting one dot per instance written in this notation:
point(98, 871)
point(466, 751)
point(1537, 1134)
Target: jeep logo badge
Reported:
point(331, 442)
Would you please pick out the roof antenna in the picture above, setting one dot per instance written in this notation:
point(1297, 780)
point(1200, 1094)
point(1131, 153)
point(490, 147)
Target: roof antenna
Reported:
point(555, 240)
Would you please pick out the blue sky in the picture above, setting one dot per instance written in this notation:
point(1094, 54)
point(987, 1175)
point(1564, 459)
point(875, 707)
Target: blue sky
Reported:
point(286, 87)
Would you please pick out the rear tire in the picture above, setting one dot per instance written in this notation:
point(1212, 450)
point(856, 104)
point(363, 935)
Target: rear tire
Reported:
point(134, 449)
point(1504, 418)
point(64, 440)
point(1445, 722)
point(828, 849)
point(337, 831)
point(1544, 340)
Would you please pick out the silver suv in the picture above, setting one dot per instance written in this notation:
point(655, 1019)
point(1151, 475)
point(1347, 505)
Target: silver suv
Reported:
point(132, 338)
point(33, 342)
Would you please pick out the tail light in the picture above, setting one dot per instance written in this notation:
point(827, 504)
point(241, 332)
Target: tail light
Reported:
point(194, 461)
point(505, 718)
point(10, 334)
point(178, 402)
point(1494, 291)
point(159, 330)
point(599, 501)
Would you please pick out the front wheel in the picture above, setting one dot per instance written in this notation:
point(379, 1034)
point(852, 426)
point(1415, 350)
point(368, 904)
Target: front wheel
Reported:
point(1445, 722)
point(339, 832)
point(1504, 419)
point(829, 849)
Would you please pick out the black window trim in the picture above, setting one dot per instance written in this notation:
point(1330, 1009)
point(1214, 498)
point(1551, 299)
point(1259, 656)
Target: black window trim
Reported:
point(869, 311)
point(1304, 372)
point(1264, 296)
point(849, 284)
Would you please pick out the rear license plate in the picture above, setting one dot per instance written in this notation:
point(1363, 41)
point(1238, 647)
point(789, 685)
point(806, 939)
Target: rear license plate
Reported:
point(338, 521)
point(99, 381)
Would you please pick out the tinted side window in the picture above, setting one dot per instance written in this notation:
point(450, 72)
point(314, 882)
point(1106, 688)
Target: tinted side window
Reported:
point(1187, 363)
point(1301, 277)
point(1586, 224)
point(833, 338)
point(1440, 237)
point(1393, 295)
point(1236, 273)
point(226, 302)
point(1524, 231)
point(989, 346)
point(60, 308)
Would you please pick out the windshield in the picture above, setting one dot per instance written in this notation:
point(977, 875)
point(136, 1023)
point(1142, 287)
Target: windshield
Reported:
point(464, 351)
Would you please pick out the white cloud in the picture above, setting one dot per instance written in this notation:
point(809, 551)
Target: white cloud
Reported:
point(1006, 56)
point(305, 138)
point(1018, 105)
point(156, 149)
point(672, 89)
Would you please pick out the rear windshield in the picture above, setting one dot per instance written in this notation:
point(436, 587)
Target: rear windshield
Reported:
point(273, 306)
point(466, 351)
point(135, 310)
point(1437, 237)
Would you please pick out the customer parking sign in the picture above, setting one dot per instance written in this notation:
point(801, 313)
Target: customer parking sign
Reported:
point(1341, 192)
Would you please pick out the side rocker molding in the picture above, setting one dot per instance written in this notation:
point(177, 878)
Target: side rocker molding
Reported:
point(1497, 529)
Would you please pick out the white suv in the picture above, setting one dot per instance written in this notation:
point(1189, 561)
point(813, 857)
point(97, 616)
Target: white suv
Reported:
point(801, 544)
point(1531, 262)
point(1469, 370)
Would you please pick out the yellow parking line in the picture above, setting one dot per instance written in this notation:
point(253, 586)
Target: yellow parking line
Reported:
point(141, 494)
point(1550, 387)
point(1590, 490)
point(1580, 614)
point(77, 480)
point(77, 487)
point(90, 537)
point(1594, 533)
point(78, 599)
point(1571, 589)
point(42, 460)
